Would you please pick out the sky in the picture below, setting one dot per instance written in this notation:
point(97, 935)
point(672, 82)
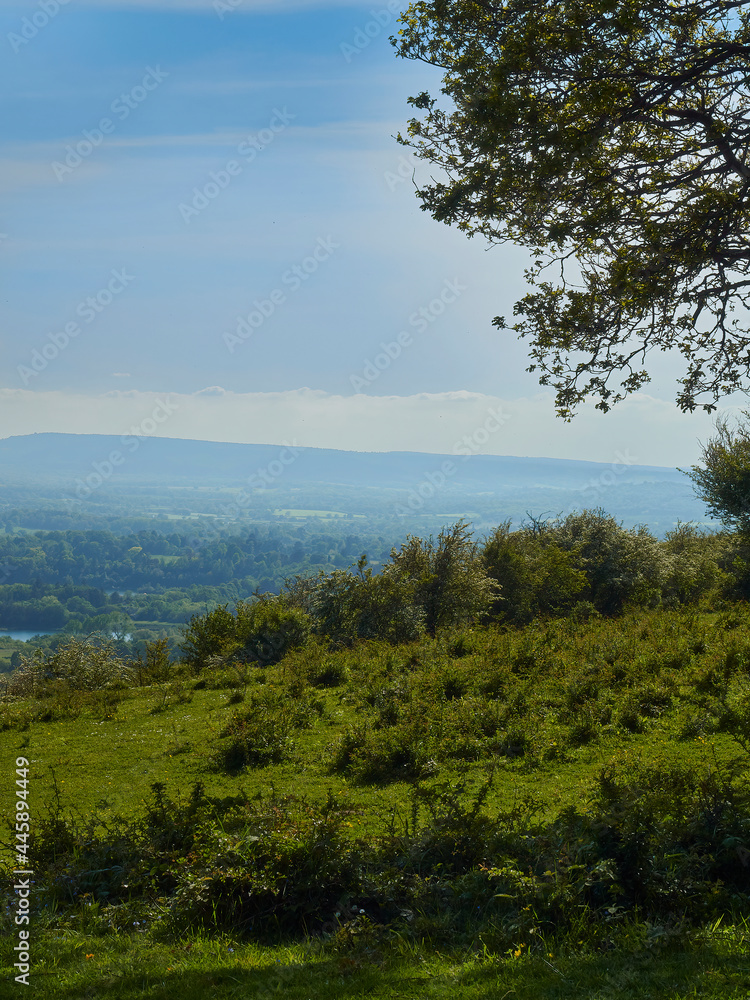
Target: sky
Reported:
point(204, 213)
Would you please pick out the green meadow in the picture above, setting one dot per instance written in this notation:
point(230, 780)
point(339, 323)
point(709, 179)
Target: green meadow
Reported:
point(552, 810)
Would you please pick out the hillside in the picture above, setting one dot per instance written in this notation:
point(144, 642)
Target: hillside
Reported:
point(493, 486)
point(40, 457)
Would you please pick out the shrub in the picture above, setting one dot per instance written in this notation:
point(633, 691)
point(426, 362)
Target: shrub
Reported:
point(154, 664)
point(268, 628)
point(535, 574)
point(261, 631)
point(262, 732)
point(346, 606)
point(585, 561)
point(673, 833)
point(376, 756)
point(426, 585)
point(691, 564)
point(212, 634)
point(77, 665)
point(451, 584)
point(622, 566)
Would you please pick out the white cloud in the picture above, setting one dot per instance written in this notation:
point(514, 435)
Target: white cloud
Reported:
point(212, 390)
point(440, 423)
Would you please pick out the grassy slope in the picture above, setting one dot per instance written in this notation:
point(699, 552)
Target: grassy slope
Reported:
point(573, 697)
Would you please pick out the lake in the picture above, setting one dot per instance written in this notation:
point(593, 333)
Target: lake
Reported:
point(19, 634)
point(25, 636)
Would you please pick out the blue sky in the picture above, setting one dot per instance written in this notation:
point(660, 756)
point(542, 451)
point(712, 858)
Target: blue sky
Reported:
point(207, 206)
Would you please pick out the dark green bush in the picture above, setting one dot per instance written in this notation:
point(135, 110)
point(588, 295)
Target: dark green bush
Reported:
point(583, 563)
point(346, 606)
point(262, 732)
point(210, 635)
point(268, 628)
point(260, 631)
point(399, 752)
point(535, 575)
point(660, 843)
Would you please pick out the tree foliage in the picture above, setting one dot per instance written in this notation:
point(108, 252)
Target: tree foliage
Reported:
point(610, 139)
point(259, 631)
point(347, 606)
point(427, 584)
point(723, 480)
point(451, 585)
point(587, 558)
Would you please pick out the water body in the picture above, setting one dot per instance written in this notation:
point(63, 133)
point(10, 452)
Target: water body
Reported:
point(20, 634)
point(25, 636)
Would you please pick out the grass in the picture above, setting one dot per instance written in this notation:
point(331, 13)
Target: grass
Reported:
point(128, 966)
point(386, 749)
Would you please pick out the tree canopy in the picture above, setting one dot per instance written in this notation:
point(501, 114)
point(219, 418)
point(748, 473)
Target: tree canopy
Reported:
point(611, 140)
point(722, 481)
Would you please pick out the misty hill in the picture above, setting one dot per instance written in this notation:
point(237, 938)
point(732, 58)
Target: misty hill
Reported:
point(485, 488)
point(42, 457)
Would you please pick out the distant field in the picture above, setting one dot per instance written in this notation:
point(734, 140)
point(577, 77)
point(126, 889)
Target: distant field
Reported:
point(7, 648)
point(314, 513)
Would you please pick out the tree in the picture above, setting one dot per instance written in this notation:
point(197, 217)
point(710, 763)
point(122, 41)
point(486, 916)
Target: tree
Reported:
point(260, 631)
point(348, 606)
point(90, 664)
point(546, 568)
point(212, 634)
point(723, 481)
point(451, 584)
point(610, 139)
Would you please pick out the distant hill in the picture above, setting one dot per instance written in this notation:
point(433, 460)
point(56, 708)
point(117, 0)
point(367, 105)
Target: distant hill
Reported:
point(42, 457)
point(509, 485)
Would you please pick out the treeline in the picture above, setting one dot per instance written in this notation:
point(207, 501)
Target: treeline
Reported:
point(581, 566)
point(152, 561)
point(50, 607)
